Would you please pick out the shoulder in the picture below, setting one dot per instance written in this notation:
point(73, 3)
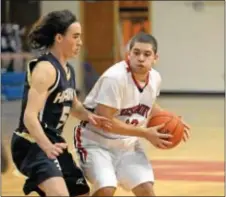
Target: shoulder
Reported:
point(155, 75)
point(117, 72)
point(45, 68)
point(43, 73)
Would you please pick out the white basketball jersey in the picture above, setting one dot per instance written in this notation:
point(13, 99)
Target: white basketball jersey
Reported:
point(118, 89)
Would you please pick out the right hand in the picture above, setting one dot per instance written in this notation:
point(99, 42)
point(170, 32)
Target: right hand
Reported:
point(158, 139)
point(55, 150)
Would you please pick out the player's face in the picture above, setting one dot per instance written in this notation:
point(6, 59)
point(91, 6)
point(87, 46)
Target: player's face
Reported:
point(142, 57)
point(71, 42)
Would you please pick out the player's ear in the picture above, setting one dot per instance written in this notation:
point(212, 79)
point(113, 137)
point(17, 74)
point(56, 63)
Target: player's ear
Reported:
point(58, 38)
point(156, 58)
point(127, 56)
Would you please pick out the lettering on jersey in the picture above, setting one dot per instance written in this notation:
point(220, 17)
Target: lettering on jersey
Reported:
point(66, 95)
point(139, 109)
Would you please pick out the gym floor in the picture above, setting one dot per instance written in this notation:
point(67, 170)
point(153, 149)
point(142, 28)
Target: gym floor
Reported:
point(192, 169)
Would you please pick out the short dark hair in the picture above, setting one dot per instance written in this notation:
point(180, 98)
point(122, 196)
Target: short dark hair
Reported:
point(144, 38)
point(43, 33)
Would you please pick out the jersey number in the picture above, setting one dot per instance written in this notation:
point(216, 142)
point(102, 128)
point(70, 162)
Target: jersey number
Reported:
point(133, 122)
point(64, 116)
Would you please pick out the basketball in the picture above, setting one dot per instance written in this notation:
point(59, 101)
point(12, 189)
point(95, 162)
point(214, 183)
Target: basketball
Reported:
point(173, 126)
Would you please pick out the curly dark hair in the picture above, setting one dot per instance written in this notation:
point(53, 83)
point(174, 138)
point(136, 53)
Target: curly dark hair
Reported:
point(43, 33)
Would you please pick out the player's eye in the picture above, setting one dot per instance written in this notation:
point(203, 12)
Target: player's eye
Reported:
point(76, 36)
point(136, 53)
point(147, 54)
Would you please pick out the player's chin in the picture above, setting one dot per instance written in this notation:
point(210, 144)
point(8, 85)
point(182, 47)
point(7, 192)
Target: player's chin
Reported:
point(74, 54)
point(142, 71)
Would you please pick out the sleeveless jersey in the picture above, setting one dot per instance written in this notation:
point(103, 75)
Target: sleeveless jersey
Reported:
point(117, 88)
point(59, 102)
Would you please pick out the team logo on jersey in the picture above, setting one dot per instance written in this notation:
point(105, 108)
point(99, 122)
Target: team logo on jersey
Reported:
point(66, 95)
point(80, 181)
point(138, 109)
point(57, 164)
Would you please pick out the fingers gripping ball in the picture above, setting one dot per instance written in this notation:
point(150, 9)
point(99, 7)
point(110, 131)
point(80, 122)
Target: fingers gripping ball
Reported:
point(173, 125)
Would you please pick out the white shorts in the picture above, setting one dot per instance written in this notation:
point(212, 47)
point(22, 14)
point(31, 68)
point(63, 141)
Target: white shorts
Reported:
point(109, 162)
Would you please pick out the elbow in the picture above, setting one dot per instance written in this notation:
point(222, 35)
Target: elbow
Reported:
point(106, 115)
point(26, 118)
point(73, 113)
point(106, 111)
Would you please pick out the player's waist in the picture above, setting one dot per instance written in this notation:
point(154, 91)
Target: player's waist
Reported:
point(25, 135)
point(48, 126)
point(84, 134)
point(100, 132)
point(51, 134)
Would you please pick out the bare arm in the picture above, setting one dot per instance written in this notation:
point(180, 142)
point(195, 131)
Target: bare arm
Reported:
point(79, 111)
point(118, 126)
point(43, 76)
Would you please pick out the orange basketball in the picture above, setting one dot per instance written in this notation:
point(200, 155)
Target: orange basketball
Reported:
point(173, 125)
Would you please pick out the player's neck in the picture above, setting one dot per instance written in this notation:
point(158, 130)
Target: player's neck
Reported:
point(59, 56)
point(140, 77)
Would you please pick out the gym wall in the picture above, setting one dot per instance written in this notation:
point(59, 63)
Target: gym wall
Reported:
point(191, 45)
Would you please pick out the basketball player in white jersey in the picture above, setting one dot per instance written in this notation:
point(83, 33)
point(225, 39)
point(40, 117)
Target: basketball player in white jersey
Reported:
point(126, 93)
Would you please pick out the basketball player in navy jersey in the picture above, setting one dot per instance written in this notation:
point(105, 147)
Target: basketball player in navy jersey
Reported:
point(38, 149)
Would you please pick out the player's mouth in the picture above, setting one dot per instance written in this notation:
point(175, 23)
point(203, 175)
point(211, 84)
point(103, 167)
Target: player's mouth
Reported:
point(77, 50)
point(140, 66)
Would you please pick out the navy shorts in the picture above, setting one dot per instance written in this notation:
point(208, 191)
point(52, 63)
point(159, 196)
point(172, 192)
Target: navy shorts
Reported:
point(31, 161)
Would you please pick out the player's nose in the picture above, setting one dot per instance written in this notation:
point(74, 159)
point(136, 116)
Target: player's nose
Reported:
point(141, 57)
point(79, 43)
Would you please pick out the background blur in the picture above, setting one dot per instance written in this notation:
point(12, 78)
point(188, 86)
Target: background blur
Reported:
point(191, 48)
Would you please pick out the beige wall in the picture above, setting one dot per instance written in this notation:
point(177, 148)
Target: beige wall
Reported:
point(191, 45)
point(74, 6)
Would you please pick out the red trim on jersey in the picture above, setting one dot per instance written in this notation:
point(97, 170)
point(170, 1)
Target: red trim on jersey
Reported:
point(134, 79)
point(81, 150)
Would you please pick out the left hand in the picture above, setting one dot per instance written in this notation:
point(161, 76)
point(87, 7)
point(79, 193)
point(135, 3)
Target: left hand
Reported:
point(100, 121)
point(187, 129)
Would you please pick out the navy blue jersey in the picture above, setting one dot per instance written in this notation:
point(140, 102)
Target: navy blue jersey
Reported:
point(61, 95)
